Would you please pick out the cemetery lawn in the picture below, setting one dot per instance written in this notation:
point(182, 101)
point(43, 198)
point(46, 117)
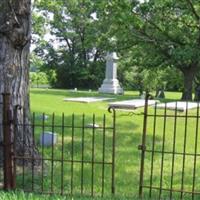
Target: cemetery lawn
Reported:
point(128, 132)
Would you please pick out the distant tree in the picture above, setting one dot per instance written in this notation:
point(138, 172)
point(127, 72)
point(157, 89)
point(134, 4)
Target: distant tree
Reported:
point(78, 59)
point(143, 78)
point(38, 78)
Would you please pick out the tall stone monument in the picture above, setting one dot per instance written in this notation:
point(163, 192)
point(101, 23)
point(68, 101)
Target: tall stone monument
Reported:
point(111, 83)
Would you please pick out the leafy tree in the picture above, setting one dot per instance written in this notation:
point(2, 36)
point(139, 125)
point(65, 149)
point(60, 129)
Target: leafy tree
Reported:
point(159, 33)
point(38, 78)
point(78, 59)
point(142, 79)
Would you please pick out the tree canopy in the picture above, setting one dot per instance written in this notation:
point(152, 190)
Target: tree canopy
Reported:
point(78, 58)
point(159, 34)
point(151, 34)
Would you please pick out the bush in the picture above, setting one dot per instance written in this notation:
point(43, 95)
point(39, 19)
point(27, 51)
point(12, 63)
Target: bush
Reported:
point(39, 78)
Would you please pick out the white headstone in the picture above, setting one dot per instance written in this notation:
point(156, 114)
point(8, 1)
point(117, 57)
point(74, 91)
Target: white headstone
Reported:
point(179, 105)
point(48, 138)
point(132, 104)
point(111, 83)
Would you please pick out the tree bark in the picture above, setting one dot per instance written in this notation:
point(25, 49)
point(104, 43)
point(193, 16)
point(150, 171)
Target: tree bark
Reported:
point(15, 36)
point(188, 75)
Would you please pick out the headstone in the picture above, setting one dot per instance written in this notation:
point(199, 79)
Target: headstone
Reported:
point(48, 138)
point(111, 83)
point(132, 104)
point(143, 95)
point(41, 117)
point(87, 99)
point(161, 94)
point(197, 93)
point(179, 106)
point(92, 125)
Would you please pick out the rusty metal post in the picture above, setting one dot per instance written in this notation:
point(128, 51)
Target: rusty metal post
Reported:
point(7, 144)
point(142, 147)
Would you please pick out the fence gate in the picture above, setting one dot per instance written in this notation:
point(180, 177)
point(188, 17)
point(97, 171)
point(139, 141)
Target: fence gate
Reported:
point(64, 154)
point(170, 153)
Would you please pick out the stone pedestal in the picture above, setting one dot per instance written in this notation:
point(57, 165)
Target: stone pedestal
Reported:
point(111, 83)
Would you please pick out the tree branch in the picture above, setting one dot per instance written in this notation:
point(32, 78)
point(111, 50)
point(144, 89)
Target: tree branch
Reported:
point(193, 10)
point(68, 44)
point(196, 16)
point(160, 30)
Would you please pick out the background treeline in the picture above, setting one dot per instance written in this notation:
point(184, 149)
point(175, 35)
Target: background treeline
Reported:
point(157, 42)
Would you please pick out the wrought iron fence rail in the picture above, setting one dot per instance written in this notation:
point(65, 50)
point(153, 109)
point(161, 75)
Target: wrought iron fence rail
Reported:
point(61, 160)
point(171, 190)
point(65, 193)
point(172, 116)
point(171, 152)
point(60, 126)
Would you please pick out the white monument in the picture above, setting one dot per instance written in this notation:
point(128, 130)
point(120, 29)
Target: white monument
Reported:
point(111, 83)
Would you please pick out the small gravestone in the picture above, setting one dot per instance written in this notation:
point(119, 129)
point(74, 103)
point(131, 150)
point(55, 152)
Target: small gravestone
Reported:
point(161, 94)
point(181, 106)
point(143, 95)
point(197, 93)
point(41, 117)
point(87, 99)
point(132, 104)
point(92, 125)
point(48, 138)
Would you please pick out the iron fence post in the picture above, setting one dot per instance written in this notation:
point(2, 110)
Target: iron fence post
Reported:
point(8, 167)
point(112, 110)
point(142, 147)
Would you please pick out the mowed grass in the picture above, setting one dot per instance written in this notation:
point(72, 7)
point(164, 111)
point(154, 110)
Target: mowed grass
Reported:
point(50, 101)
point(129, 127)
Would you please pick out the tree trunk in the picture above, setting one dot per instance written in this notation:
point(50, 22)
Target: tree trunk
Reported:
point(188, 75)
point(15, 35)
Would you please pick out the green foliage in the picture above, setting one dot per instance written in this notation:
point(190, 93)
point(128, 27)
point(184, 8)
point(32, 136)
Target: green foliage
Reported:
point(152, 34)
point(152, 79)
point(157, 34)
point(38, 78)
point(77, 59)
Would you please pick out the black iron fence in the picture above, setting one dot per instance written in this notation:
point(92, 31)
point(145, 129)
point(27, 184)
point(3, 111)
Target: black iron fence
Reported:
point(170, 153)
point(68, 155)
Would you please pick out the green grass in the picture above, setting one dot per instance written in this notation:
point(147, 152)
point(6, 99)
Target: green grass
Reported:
point(20, 195)
point(129, 133)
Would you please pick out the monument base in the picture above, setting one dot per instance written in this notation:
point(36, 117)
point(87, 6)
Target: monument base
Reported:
point(111, 87)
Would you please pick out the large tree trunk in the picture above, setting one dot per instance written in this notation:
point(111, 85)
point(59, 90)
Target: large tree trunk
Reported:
point(188, 75)
point(15, 35)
